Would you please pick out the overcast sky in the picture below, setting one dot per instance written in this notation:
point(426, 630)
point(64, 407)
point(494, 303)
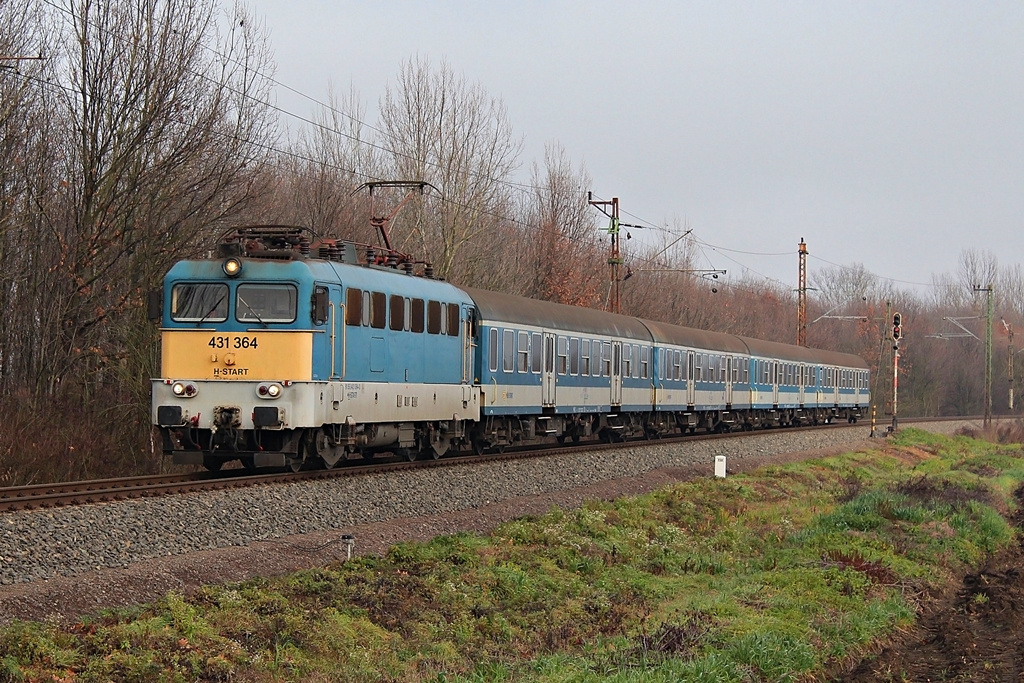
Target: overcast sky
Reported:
point(887, 134)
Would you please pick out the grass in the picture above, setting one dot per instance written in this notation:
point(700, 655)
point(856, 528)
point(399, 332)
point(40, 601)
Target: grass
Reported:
point(774, 576)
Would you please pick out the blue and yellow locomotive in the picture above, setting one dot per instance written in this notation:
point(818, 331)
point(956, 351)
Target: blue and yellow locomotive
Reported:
point(281, 352)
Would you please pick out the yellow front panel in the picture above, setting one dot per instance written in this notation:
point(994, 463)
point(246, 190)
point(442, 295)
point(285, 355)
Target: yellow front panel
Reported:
point(259, 355)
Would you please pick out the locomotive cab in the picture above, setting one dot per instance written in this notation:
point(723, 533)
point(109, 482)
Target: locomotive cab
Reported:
point(272, 356)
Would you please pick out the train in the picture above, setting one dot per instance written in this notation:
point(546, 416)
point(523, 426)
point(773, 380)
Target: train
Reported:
point(279, 350)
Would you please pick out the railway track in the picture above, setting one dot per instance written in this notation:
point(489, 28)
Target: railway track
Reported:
point(123, 488)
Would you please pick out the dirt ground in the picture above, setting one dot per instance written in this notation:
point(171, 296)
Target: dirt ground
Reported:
point(974, 632)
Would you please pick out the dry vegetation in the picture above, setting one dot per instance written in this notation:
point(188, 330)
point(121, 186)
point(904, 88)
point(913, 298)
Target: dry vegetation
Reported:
point(148, 130)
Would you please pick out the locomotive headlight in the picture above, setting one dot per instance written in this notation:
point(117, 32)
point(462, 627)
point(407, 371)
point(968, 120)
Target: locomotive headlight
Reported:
point(184, 389)
point(232, 267)
point(268, 390)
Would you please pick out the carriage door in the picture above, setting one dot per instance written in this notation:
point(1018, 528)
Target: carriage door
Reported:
point(728, 380)
point(616, 373)
point(468, 345)
point(775, 382)
point(691, 382)
point(329, 317)
point(801, 373)
point(547, 377)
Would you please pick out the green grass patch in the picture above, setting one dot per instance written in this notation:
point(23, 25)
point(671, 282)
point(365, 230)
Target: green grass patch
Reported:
point(774, 576)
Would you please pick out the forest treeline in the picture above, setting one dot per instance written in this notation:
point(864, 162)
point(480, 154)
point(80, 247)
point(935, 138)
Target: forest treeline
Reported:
point(134, 133)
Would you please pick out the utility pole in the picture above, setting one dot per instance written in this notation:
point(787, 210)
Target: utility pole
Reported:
point(988, 354)
point(801, 297)
point(614, 259)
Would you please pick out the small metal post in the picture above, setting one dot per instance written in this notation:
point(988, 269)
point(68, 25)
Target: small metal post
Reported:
point(349, 541)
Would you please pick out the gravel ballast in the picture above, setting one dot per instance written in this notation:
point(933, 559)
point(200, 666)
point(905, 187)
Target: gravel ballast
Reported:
point(58, 563)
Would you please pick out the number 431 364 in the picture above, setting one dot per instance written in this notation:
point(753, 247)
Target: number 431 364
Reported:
point(225, 342)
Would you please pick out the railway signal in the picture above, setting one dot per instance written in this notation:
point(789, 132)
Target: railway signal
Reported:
point(897, 334)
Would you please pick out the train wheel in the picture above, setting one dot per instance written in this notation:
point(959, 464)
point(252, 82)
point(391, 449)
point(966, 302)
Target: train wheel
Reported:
point(212, 464)
point(406, 453)
point(249, 464)
point(479, 446)
point(295, 464)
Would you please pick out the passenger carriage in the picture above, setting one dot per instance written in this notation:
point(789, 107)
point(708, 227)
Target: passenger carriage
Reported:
point(546, 369)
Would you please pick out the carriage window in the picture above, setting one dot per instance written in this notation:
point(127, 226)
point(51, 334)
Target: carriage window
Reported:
point(453, 320)
point(645, 358)
point(378, 310)
point(320, 304)
point(606, 358)
point(585, 357)
point(574, 356)
point(397, 313)
point(677, 365)
point(353, 306)
point(699, 367)
point(596, 349)
point(563, 355)
point(535, 353)
point(198, 302)
point(434, 317)
point(523, 354)
point(266, 303)
point(492, 348)
point(627, 360)
point(416, 317)
point(508, 351)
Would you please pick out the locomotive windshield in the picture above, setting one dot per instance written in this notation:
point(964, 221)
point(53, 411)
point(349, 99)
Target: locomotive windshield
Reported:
point(193, 301)
point(265, 303)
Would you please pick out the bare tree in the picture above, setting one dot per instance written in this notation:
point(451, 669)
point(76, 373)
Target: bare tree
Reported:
point(329, 161)
point(26, 179)
point(156, 122)
point(452, 134)
point(559, 237)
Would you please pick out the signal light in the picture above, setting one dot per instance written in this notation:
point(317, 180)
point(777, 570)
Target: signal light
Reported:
point(897, 327)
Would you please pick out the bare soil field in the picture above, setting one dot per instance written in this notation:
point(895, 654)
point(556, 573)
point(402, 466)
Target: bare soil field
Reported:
point(973, 632)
